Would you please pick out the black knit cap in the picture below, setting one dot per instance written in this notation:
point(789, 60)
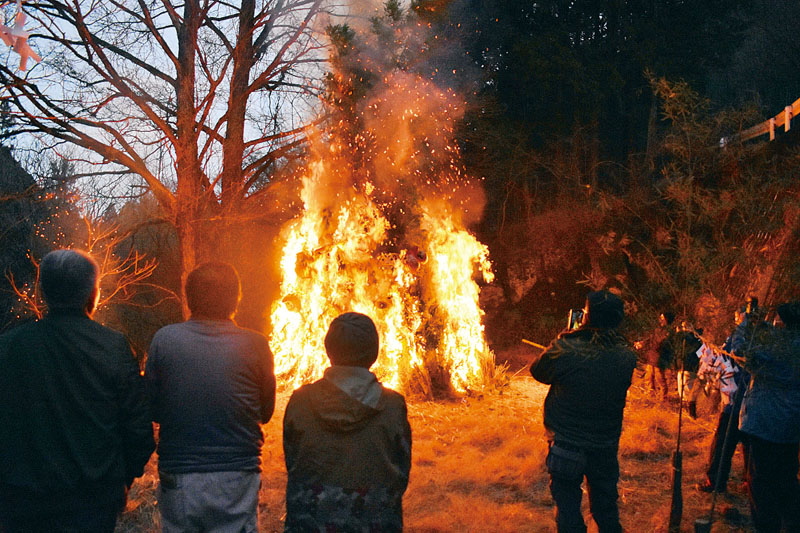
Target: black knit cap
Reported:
point(790, 314)
point(352, 340)
point(606, 310)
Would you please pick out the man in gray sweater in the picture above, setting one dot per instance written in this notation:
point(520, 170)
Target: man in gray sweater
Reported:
point(211, 384)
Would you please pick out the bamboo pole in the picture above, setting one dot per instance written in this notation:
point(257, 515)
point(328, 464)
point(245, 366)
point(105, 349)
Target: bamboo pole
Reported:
point(783, 118)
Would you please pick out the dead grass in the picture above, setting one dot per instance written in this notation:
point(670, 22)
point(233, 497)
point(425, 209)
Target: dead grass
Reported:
point(478, 465)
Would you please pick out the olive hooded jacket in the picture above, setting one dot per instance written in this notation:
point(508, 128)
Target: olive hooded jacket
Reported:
point(347, 444)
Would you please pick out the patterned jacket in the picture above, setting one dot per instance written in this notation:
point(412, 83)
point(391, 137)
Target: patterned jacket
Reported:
point(347, 445)
point(719, 370)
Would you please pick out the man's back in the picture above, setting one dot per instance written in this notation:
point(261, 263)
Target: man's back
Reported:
point(75, 424)
point(589, 374)
point(211, 384)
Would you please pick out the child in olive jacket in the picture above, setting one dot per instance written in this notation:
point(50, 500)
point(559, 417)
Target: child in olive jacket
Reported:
point(347, 441)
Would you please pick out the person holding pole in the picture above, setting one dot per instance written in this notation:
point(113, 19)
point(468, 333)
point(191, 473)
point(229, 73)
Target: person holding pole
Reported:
point(770, 420)
point(721, 368)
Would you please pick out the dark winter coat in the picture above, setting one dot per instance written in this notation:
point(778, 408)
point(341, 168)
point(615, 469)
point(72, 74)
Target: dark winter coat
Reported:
point(685, 345)
point(589, 372)
point(652, 347)
point(74, 423)
point(666, 351)
point(348, 463)
point(771, 406)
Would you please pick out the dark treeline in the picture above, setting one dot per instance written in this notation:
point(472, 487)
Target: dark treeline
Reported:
point(596, 128)
point(42, 213)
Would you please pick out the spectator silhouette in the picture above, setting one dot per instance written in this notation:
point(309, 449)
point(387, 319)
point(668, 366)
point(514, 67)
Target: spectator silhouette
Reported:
point(658, 355)
point(211, 384)
point(347, 441)
point(74, 425)
point(589, 372)
point(770, 422)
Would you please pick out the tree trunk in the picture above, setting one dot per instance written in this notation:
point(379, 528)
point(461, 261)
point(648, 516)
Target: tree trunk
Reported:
point(190, 198)
point(188, 259)
point(233, 149)
point(651, 133)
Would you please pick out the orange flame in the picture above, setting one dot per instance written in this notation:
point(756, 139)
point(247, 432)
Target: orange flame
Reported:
point(339, 256)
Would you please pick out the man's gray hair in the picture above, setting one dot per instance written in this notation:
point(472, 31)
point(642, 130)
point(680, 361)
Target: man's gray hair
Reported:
point(67, 278)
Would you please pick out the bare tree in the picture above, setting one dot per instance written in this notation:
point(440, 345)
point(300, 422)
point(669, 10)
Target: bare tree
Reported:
point(123, 270)
point(200, 99)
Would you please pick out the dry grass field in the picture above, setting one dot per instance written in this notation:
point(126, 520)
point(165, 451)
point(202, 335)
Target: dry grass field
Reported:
point(478, 465)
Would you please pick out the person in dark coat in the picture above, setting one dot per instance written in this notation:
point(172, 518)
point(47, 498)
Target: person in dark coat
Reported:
point(212, 385)
point(346, 441)
point(770, 421)
point(658, 355)
point(685, 346)
point(75, 428)
point(589, 372)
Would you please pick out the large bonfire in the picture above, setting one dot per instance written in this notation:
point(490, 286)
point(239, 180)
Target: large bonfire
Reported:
point(383, 232)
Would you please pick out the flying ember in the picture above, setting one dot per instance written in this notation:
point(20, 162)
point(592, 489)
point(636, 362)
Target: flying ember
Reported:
point(382, 232)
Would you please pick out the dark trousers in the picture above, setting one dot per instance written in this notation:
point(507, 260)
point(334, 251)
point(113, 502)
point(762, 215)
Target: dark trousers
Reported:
point(97, 519)
point(772, 485)
point(568, 466)
point(719, 461)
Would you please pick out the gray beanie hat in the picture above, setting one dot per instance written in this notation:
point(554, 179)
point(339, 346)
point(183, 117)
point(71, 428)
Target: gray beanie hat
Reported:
point(352, 340)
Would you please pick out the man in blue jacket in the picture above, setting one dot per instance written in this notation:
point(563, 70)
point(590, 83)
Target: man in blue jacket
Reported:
point(589, 372)
point(74, 424)
point(211, 384)
point(770, 420)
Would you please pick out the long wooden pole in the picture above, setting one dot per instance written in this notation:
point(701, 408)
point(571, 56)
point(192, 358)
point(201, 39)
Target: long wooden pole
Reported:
point(535, 344)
